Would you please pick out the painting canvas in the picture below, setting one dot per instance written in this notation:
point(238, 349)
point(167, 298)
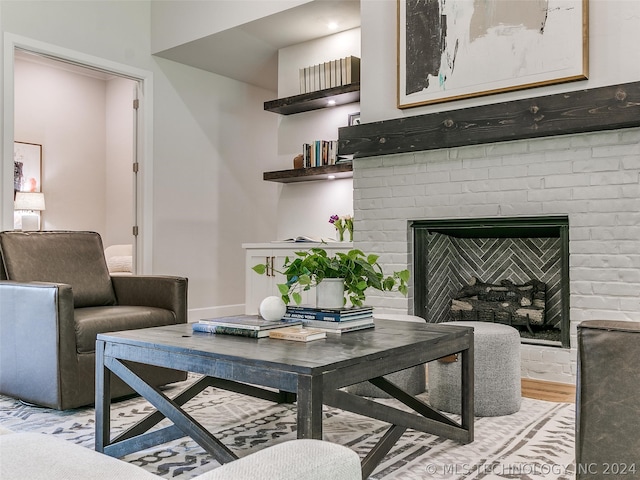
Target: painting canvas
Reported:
point(27, 167)
point(453, 49)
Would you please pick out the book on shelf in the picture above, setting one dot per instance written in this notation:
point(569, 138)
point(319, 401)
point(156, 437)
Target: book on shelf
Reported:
point(303, 86)
point(319, 153)
point(334, 73)
point(327, 74)
point(298, 334)
point(350, 70)
point(248, 322)
point(339, 327)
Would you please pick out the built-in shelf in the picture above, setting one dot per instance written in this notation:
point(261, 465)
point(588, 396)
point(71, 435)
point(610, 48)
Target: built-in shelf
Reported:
point(306, 102)
point(342, 170)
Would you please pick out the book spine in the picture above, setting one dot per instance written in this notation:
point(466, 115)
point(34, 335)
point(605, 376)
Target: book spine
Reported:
point(327, 74)
point(217, 329)
point(302, 337)
point(222, 324)
point(325, 317)
point(338, 331)
point(315, 311)
point(287, 336)
point(203, 327)
point(313, 323)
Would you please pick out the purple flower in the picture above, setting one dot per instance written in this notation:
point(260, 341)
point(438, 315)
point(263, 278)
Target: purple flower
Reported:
point(334, 218)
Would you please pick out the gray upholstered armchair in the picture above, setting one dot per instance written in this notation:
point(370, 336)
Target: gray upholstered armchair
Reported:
point(608, 400)
point(56, 295)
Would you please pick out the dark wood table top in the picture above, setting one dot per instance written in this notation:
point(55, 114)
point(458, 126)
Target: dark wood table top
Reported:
point(389, 337)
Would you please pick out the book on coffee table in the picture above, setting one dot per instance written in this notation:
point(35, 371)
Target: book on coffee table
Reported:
point(242, 325)
point(298, 334)
point(328, 314)
point(340, 327)
point(249, 322)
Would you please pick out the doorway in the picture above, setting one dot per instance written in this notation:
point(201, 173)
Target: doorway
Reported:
point(68, 183)
point(84, 122)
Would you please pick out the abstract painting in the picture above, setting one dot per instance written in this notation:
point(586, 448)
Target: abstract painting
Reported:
point(27, 167)
point(454, 49)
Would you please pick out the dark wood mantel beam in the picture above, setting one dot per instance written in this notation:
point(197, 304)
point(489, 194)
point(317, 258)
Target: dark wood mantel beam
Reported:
point(603, 108)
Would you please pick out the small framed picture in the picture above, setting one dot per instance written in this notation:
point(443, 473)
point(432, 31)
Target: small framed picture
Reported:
point(354, 119)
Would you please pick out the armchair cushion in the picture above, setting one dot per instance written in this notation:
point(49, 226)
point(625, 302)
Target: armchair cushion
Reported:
point(91, 321)
point(73, 258)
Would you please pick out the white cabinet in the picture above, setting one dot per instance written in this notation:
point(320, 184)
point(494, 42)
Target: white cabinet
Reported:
point(257, 287)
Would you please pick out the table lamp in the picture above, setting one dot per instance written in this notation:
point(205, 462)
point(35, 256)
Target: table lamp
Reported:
point(31, 204)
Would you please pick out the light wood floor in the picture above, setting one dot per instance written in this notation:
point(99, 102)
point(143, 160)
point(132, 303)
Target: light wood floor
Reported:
point(549, 391)
point(543, 390)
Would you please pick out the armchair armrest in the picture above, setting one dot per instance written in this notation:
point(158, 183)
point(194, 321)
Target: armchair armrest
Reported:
point(37, 338)
point(166, 292)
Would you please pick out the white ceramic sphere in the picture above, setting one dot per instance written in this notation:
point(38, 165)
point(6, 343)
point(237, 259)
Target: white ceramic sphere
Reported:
point(272, 308)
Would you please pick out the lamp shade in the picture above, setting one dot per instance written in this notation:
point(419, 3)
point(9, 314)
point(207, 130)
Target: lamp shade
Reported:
point(29, 201)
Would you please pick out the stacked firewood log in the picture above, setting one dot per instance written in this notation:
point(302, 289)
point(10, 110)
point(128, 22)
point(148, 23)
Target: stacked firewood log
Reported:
point(505, 302)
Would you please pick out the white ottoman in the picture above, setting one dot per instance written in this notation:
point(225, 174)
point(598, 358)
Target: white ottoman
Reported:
point(496, 358)
point(412, 380)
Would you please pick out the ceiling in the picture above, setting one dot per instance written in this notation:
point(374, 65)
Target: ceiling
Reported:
point(249, 52)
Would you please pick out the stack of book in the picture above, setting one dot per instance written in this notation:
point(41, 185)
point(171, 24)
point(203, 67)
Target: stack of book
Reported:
point(319, 153)
point(332, 320)
point(334, 73)
point(242, 325)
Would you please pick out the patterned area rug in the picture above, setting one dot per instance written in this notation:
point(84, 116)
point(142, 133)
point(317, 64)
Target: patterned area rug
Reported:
point(535, 443)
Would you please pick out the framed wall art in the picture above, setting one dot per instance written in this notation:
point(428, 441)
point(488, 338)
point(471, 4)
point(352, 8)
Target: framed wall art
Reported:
point(454, 49)
point(27, 167)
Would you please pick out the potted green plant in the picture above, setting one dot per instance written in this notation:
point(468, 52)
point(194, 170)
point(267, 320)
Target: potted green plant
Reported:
point(359, 272)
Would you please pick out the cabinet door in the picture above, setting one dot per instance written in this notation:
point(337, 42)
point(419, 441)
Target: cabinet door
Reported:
point(258, 287)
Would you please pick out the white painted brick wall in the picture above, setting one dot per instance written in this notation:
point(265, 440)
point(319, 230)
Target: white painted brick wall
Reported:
point(593, 178)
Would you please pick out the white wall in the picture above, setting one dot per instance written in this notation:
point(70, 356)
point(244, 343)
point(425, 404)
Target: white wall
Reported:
point(209, 143)
point(304, 208)
point(614, 33)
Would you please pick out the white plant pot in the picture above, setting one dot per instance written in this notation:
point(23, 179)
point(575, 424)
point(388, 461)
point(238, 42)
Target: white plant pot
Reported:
point(330, 293)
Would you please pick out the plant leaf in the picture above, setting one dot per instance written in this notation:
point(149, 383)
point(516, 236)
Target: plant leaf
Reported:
point(404, 275)
point(260, 269)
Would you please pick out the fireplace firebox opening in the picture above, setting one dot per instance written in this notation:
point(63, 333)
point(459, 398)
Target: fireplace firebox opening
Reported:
point(507, 270)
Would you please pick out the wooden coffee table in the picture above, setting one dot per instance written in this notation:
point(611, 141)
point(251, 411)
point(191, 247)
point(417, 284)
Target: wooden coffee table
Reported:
point(312, 374)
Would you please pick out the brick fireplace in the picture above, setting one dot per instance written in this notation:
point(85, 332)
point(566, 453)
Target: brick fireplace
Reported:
point(591, 179)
